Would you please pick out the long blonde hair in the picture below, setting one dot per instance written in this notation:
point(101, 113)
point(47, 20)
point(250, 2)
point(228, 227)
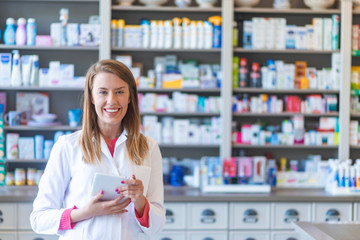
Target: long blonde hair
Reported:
point(90, 137)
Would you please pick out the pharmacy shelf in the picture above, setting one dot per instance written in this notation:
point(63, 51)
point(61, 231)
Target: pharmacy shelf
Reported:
point(355, 146)
point(286, 11)
point(55, 48)
point(212, 50)
point(355, 115)
point(181, 114)
point(186, 90)
point(285, 114)
point(285, 146)
point(189, 145)
point(55, 1)
point(165, 9)
point(285, 51)
point(25, 160)
point(284, 91)
point(43, 128)
point(7, 188)
point(37, 88)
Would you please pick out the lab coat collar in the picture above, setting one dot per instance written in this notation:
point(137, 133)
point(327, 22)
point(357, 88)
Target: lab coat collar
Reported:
point(122, 138)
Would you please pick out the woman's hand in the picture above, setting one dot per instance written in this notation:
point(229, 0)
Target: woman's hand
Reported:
point(95, 207)
point(134, 190)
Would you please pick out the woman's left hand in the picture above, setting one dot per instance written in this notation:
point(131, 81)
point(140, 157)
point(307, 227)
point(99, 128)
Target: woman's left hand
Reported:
point(134, 190)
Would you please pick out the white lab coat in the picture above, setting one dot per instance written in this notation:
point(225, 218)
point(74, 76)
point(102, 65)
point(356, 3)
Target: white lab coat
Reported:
point(67, 182)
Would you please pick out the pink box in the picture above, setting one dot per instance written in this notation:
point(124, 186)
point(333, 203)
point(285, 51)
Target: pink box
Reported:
point(43, 40)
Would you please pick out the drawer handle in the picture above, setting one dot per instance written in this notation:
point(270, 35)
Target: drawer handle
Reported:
point(291, 238)
point(332, 215)
point(166, 238)
point(208, 216)
point(291, 215)
point(208, 238)
point(250, 238)
point(38, 238)
point(250, 216)
point(1, 219)
point(169, 216)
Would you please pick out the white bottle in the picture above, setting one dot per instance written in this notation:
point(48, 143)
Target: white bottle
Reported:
point(34, 78)
point(177, 33)
point(168, 40)
point(145, 33)
point(21, 32)
point(193, 35)
point(161, 34)
point(200, 34)
point(153, 34)
point(186, 33)
point(208, 31)
point(16, 71)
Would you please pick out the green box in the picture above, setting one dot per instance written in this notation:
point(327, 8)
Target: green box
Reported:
point(2, 175)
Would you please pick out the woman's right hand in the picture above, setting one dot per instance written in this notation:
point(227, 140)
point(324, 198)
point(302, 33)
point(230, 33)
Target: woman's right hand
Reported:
point(95, 207)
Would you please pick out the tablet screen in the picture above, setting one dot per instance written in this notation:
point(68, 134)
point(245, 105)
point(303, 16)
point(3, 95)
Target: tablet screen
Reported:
point(107, 183)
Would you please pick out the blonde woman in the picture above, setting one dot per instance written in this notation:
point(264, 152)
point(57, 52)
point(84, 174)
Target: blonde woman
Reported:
point(110, 142)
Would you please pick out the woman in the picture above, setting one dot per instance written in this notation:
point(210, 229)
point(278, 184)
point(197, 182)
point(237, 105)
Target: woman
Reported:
point(110, 142)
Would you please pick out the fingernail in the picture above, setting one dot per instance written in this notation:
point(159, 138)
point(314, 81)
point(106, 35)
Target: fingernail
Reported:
point(122, 182)
point(102, 192)
point(133, 176)
point(126, 210)
point(116, 190)
point(129, 200)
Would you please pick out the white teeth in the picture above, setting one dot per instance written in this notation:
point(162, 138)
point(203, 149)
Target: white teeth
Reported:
point(112, 110)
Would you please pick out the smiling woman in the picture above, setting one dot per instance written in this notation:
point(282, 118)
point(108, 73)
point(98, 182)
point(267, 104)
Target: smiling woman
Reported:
point(109, 143)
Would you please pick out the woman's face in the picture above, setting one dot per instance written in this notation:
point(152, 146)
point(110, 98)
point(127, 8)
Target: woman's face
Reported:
point(110, 96)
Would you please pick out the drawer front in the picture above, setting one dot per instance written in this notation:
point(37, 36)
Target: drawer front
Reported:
point(7, 235)
point(207, 216)
point(175, 216)
point(173, 235)
point(285, 236)
point(24, 210)
point(286, 213)
point(248, 235)
point(221, 235)
point(249, 215)
point(356, 211)
point(7, 216)
point(34, 236)
point(332, 212)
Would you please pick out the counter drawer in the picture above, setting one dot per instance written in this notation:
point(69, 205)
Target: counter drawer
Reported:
point(286, 213)
point(249, 215)
point(207, 215)
point(356, 211)
point(34, 236)
point(288, 235)
point(175, 216)
point(249, 235)
point(7, 235)
point(170, 235)
point(208, 235)
point(24, 210)
point(7, 216)
point(332, 212)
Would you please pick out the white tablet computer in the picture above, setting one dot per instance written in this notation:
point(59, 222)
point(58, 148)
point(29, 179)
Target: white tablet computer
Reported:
point(107, 183)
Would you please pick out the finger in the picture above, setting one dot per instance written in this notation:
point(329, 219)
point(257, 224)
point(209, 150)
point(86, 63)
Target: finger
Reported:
point(133, 177)
point(98, 196)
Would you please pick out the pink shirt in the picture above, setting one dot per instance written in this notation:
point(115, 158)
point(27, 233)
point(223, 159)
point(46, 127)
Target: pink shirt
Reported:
point(65, 222)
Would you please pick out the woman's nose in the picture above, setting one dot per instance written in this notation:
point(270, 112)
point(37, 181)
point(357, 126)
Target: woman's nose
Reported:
point(111, 97)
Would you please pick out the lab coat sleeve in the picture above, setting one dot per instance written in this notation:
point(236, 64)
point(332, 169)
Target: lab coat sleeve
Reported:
point(47, 207)
point(155, 194)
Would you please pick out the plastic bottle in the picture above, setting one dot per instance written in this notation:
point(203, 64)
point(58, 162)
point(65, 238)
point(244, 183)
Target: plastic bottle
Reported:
point(255, 77)
point(208, 32)
point(158, 76)
point(168, 39)
point(177, 33)
point(64, 17)
point(193, 35)
point(271, 171)
point(145, 33)
point(200, 34)
point(161, 34)
point(113, 24)
point(15, 71)
point(9, 33)
point(243, 73)
point(217, 31)
point(186, 33)
point(153, 34)
point(20, 37)
point(34, 78)
point(31, 30)
point(271, 81)
point(120, 32)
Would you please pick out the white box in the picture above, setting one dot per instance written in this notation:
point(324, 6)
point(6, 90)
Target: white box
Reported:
point(90, 34)
point(318, 33)
point(5, 69)
point(54, 72)
point(181, 131)
point(55, 33)
point(327, 27)
point(73, 32)
point(66, 74)
point(26, 148)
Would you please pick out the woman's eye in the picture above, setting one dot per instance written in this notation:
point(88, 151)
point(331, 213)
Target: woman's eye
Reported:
point(102, 92)
point(119, 92)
